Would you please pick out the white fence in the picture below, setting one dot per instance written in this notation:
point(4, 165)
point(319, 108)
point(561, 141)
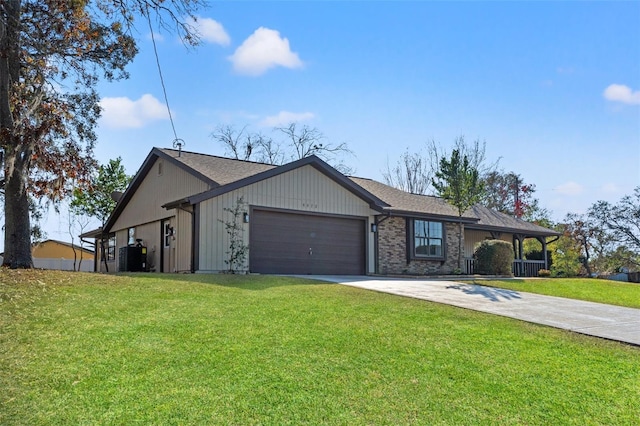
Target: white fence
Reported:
point(63, 264)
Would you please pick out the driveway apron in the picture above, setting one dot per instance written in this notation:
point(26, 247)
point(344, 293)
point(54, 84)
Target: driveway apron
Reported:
point(594, 319)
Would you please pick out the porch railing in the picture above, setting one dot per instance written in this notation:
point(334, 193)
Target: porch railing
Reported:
point(520, 268)
point(527, 268)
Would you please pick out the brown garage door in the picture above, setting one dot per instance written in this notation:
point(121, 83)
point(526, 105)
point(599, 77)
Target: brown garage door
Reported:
point(290, 243)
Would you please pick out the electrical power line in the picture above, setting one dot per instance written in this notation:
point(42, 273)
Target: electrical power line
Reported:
point(176, 141)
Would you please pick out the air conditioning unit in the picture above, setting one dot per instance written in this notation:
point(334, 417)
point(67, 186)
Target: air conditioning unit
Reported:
point(132, 259)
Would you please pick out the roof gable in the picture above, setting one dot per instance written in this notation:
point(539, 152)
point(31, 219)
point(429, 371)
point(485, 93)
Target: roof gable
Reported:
point(375, 202)
point(219, 171)
point(169, 155)
point(226, 174)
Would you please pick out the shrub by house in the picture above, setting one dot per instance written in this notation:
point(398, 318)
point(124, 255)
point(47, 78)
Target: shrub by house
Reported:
point(493, 257)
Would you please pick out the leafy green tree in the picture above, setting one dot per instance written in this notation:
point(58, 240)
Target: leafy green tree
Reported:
point(52, 55)
point(565, 255)
point(474, 151)
point(413, 172)
point(621, 220)
point(532, 248)
point(97, 199)
point(586, 235)
point(458, 182)
point(615, 260)
point(509, 194)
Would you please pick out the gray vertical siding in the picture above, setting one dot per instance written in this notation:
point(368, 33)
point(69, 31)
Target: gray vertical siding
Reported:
point(144, 212)
point(156, 190)
point(303, 189)
point(184, 237)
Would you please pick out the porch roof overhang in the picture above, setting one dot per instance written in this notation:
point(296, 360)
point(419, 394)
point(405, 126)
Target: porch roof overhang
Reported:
point(94, 233)
point(491, 220)
point(183, 202)
point(519, 231)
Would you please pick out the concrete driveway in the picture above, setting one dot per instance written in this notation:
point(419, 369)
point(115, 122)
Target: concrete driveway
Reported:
point(594, 319)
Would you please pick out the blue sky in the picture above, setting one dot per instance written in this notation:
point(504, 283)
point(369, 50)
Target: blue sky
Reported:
point(552, 87)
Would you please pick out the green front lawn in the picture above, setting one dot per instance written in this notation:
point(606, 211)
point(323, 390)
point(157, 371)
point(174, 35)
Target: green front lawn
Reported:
point(590, 289)
point(219, 349)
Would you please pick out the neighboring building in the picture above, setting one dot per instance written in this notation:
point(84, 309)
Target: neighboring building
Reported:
point(303, 217)
point(53, 254)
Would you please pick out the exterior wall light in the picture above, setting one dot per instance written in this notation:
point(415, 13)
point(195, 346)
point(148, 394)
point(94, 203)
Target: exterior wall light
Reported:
point(245, 217)
point(374, 227)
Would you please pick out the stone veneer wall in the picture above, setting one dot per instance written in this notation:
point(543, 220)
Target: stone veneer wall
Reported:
point(392, 250)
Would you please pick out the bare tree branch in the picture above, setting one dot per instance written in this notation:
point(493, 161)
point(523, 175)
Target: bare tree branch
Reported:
point(238, 144)
point(307, 141)
point(268, 150)
point(412, 173)
point(299, 142)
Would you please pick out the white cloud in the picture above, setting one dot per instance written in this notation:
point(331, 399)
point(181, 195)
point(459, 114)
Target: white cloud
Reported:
point(210, 30)
point(262, 50)
point(622, 93)
point(570, 189)
point(123, 112)
point(286, 117)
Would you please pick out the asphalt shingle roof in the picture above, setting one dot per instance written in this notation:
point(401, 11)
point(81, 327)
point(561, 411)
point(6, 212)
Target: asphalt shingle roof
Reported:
point(481, 217)
point(492, 219)
point(224, 171)
point(219, 169)
point(406, 202)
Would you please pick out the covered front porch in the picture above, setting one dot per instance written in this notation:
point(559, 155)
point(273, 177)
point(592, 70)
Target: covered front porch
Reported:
point(494, 225)
point(521, 267)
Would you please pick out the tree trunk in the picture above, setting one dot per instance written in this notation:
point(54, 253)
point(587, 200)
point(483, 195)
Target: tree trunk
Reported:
point(586, 258)
point(460, 245)
point(17, 233)
point(103, 255)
